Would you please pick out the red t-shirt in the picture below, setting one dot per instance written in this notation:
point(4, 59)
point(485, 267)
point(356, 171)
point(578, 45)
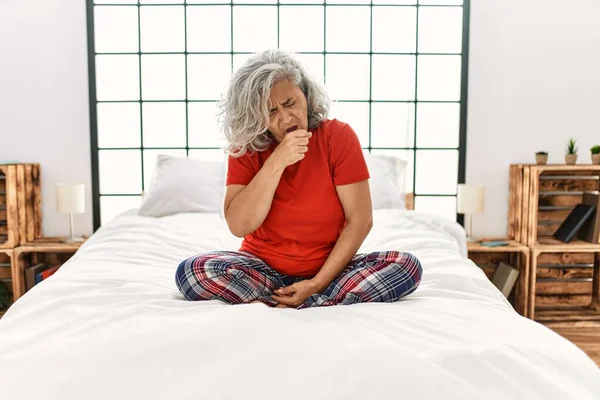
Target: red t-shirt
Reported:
point(306, 215)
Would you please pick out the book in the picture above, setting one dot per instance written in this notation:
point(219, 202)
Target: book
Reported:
point(494, 243)
point(45, 274)
point(573, 223)
point(505, 277)
point(590, 231)
point(31, 273)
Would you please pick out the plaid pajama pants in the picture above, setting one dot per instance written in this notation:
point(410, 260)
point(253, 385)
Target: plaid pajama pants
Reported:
point(240, 277)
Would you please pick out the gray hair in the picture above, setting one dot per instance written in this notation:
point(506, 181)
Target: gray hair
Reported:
point(244, 108)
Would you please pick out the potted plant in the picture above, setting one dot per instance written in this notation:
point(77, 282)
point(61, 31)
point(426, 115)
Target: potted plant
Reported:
point(595, 154)
point(541, 157)
point(571, 154)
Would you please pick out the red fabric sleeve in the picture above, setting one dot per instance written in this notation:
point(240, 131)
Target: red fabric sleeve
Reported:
point(348, 160)
point(240, 170)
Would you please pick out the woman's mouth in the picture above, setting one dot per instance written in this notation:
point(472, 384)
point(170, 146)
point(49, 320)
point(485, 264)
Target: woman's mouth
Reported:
point(291, 129)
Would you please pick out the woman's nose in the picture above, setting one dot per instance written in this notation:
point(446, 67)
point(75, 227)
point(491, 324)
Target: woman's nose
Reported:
point(286, 116)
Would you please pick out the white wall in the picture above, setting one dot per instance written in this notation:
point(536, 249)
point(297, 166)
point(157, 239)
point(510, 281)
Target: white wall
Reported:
point(44, 106)
point(534, 81)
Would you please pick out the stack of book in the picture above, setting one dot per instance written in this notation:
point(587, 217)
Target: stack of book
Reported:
point(37, 273)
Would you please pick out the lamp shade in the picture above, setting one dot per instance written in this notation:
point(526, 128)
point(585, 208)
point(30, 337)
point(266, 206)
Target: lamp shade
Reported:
point(70, 199)
point(469, 199)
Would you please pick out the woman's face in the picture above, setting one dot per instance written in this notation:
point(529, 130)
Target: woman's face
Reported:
point(287, 108)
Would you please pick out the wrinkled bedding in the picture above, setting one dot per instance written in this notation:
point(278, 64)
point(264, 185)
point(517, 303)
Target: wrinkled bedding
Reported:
point(110, 324)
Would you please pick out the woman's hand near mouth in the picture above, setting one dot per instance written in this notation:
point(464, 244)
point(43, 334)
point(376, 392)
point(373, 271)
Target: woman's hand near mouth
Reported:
point(291, 149)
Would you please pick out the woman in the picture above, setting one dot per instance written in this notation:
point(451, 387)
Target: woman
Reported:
point(298, 194)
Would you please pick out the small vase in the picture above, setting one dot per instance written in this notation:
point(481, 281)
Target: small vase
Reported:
point(570, 159)
point(541, 159)
point(596, 159)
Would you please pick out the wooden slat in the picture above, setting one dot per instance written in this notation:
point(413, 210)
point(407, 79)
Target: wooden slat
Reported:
point(3, 229)
point(580, 313)
point(569, 200)
point(2, 215)
point(596, 282)
point(37, 200)
point(548, 243)
point(12, 213)
point(525, 204)
point(5, 273)
point(563, 169)
point(560, 172)
point(512, 201)
point(565, 272)
point(487, 258)
point(573, 323)
point(553, 215)
point(512, 246)
point(568, 185)
point(547, 229)
point(563, 287)
point(522, 286)
point(50, 246)
point(520, 202)
point(531, 297)
point(18, 274)
point(566, 258)
point(2, 199)
point(533, 210)
point(21, 200)
point(29, 200)
point(563, 301)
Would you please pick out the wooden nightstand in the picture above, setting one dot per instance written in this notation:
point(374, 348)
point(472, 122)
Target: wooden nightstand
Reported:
point(514, 254)
point(44, 250)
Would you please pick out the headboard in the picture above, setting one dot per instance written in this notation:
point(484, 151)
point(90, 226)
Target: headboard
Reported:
point(409, 201)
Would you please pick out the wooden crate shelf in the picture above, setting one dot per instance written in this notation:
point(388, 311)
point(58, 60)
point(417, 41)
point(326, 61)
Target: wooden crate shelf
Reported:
point(542, 196)
point(20, 204)
point(564, 278)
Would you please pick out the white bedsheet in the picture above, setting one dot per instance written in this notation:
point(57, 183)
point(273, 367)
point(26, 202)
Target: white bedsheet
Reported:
point(110, 324)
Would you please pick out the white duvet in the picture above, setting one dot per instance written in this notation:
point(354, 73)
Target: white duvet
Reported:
point(110, 324)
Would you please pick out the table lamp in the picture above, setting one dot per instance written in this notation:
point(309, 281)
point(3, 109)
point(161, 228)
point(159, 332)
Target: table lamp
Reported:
point(70, 199)
point(469, 201)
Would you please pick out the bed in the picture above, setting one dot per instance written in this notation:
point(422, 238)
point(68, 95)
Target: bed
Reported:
point(110, 324)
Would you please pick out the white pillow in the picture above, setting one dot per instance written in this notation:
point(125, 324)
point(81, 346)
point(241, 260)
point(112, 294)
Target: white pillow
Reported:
point(387, 181)
point(184, 185)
